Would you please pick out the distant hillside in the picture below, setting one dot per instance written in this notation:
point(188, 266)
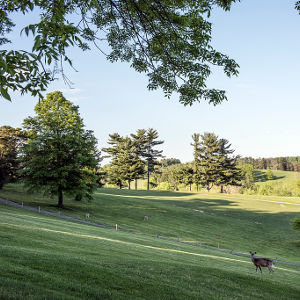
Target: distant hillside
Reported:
point(286, 163)
point(283, 183)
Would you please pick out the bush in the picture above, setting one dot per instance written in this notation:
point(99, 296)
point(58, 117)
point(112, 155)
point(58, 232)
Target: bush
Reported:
point(296, 223)
point(269, 174)
point(164, 186)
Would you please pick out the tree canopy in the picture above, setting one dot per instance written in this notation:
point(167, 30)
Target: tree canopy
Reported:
point(11, 140)
point(170, 41)
point(60, 156)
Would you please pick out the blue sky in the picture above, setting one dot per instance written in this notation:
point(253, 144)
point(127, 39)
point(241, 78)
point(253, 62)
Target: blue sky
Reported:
point(260, 119)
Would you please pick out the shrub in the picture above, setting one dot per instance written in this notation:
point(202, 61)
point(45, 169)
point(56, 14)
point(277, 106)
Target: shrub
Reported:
point(164, 186)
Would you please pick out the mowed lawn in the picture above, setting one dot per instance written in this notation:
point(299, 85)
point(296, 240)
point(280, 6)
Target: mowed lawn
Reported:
point(43, 257)
point(239, 222)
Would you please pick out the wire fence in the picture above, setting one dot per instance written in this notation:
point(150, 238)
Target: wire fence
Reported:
point(116, 227)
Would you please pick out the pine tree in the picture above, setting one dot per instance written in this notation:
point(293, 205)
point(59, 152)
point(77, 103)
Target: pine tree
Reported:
point(126, 164)
point(139, 140)
point(196, 163)
point(150, 154)
point(230, 174)
point(209, 160)
point(130, 164)
point(114, 172)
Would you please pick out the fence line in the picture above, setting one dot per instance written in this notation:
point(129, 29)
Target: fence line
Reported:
point(116, 227)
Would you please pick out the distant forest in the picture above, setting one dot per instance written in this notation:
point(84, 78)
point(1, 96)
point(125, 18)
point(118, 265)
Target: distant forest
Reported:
point(287, 163)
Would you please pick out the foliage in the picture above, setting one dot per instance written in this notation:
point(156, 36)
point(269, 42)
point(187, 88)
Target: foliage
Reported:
point(169, 41)
point(11, 140)
point(169, 161)
point(230, 174)
point(269, 174)
point(247, 171)
point(164, 186)
point(296, 223)
point(214, 160)
point(287, 163)
point(60, 155)
point(196, 149)
point(126, 164)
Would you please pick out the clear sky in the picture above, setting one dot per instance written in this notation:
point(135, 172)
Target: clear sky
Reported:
point(260, 119)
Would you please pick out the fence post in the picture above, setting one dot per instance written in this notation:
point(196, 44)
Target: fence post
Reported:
point(116, 227)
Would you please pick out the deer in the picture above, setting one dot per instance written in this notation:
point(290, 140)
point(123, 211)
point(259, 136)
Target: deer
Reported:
point(262, 262)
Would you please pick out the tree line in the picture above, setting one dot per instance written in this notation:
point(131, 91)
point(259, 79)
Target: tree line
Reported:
point(54, 153)
point(134, 157)
point(285, 163)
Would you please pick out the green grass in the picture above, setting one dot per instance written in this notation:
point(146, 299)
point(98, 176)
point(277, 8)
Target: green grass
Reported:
point(43, 257)
point(239, 222)
point(279, 176)
point(284, 183)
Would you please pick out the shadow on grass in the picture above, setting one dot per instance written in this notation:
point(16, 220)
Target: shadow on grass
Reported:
point(210, 220)
point(261, 176)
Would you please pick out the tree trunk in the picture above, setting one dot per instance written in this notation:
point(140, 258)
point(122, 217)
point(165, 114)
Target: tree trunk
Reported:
point(120, 185)
point(222, 189)
point(60, 198)
point(190, 187)
point(129, 184)
point(197, 187)
point(136, 182)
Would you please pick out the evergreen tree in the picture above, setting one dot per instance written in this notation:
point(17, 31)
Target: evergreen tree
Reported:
point(60, 156)
point(150, 154)
point(214, 163)
point(210, 162)
point(230, 174)
point(114, 172)
point(131, 166)
point(126, 164)
point(139, 140)
point(196, 163)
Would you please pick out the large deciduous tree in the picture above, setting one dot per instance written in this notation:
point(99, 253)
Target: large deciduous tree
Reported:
point(10, 141)
point(60, 156)
point(170, 41)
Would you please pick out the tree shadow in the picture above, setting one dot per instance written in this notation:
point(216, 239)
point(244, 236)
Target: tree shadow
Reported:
point(261, 176)
point(143, 192)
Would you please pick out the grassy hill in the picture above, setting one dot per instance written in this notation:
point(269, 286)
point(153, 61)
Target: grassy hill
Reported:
point(43, 257)
point(283, 183)
point(239, 222)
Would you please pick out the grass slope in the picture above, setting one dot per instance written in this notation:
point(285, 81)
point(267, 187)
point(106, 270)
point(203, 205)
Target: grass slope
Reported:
point(42, 257)
point(239, 222)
